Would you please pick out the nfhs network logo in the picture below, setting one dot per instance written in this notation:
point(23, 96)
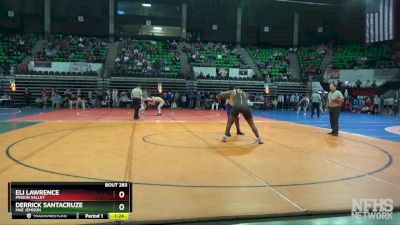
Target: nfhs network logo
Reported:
point(372, 208)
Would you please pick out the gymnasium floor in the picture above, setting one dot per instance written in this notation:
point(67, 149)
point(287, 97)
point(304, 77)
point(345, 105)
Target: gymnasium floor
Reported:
point(182, 172)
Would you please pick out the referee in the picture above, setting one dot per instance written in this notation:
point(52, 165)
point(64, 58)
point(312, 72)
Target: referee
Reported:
point(315, 103)
point(335, 100)
point(136, 96)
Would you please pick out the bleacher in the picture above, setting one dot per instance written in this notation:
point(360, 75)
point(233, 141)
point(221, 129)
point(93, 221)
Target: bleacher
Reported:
point(272, 61)
point(61, 48)
point(127, 83)
point(291, 88)
point(310, 59)
point(251, 87)
point(60, 83)
point(359, 56)
point(130, 70)
point(13, 50)
point(214, 55)
point(147, 59)
point(239, 78)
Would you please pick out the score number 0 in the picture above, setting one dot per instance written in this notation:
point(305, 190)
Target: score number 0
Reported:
point(121, 206)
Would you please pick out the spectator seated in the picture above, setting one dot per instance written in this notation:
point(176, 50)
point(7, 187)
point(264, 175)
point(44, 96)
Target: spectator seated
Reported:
point(214, 55)
point(272, 61)
point(63, 48)
point(358, 56)
point(13, 49)
point(147, 58)
point(310, 59)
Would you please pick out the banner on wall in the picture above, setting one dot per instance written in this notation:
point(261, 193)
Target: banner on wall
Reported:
point(64, 66)
point(222, 72)
point(380, 75)
point(205, 71)
point(243, 72)
point(80, 67)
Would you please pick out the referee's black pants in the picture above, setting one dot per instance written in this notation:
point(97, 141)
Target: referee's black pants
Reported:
point(334, 118)
point(136, 106)
point(314, 106)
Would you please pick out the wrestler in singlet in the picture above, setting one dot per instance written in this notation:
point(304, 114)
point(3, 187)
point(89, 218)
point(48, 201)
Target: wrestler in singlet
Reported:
point(240, 105)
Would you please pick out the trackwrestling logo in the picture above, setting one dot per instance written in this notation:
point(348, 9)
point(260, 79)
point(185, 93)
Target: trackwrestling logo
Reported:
point(372, 208)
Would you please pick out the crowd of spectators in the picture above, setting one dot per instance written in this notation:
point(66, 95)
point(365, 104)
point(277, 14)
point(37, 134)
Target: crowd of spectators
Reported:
point(274, 62)
point(310, 59)
point(270, 58)
point(72, 48)
point(359, 56)
point(13, 49)
point(371, 105)
point(162, 58)
point(214, 55)
point(149, 58)
point(286, 102)
point(367, 102)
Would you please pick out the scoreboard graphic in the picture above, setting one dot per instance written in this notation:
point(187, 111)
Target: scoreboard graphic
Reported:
point(70, 200)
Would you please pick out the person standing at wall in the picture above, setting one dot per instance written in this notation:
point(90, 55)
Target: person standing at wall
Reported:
point(115, 100)
point(315, 103)
point(80, 100)
point(335, 100)
point(292, 99)
point(27, 97)
point(280, 102)
point(377, 103)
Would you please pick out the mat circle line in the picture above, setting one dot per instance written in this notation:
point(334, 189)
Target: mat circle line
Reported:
point(10, 156)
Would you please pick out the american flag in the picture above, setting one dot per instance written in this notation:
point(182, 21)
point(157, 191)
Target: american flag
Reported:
point(379, 20)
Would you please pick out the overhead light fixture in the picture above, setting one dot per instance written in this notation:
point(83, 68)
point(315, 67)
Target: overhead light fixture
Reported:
point(146, 5)
point(157, 28)
point(308, 3)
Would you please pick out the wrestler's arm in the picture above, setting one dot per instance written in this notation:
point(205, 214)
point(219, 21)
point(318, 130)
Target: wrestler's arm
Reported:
point(224, 95)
